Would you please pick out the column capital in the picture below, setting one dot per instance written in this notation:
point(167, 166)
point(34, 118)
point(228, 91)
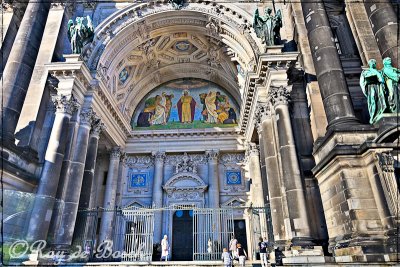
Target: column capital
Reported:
point(97, 127)
point(279, 95)
point(212, 155)
point(65, 104)
point(87, 116)
point(386, 161)
point(252, 150)
point(123, 159)
point(262, 112)
point(159, 156)
point(115, 153)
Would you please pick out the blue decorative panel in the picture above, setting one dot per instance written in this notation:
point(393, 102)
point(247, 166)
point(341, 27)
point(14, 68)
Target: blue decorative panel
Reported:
point(233, 177)
point(138, 179)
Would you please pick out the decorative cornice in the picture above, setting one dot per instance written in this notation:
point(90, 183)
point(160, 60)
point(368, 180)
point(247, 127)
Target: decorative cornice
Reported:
point(65, 104)
point(279, 95)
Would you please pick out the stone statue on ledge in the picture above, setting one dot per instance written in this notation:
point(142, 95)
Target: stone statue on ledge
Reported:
point(391, 75)
point(381, 99)
point(80, 33)
point(177, 4)
point(268, 27)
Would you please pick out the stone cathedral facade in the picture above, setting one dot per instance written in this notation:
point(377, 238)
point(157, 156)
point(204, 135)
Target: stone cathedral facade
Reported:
point(178, 110)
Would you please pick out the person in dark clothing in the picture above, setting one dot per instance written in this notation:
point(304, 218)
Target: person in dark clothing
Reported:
point(263, 246)
point(242, 255)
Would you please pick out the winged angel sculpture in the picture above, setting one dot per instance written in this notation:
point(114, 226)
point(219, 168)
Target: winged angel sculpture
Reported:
point(268, 27)
point(80, 33)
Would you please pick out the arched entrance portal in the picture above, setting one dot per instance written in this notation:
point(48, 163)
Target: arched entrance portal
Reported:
point(182, 237)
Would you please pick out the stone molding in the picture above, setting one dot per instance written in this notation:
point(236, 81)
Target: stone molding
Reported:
point(186, 165)
point(65, 104)
point(279, 95)
point(68, 5)
point(115, 153)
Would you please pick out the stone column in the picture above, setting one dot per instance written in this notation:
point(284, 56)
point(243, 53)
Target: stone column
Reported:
point(257, 194)
point(90, 163)
point(74, 185)
point(158, 193)
point(385, 25)
point(122, 173)
point(298, 219)
point(109, 196)
point(332, 82)
point(45, 198)
point(64, 176)
point(82, 229)
point(12, 14)
point(17, 73)
point(266, 130)
point(28, 129)
point(213, 178)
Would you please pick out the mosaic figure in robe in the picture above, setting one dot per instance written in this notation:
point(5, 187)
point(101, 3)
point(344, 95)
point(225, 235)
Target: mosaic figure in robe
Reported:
point(186, 108)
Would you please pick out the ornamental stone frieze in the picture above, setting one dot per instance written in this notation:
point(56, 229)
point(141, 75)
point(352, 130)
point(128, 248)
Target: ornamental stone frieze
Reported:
point(182, 185)
point(186, 165)
point(279, 95)
point(65, 104)
point(196, 159)
point(232, 158)
point(139, 162)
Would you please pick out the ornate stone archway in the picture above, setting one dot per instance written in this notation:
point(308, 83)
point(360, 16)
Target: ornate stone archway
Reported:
point(140, 39)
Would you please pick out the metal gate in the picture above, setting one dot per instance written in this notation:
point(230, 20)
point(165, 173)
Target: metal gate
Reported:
point(212, 231)
point(138, 226)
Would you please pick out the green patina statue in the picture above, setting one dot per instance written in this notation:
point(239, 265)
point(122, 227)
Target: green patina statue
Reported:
point(80, 33)
point(391, 75)
point(373, 86)
point(381, 87)
point(177, 4)
point(268, 27)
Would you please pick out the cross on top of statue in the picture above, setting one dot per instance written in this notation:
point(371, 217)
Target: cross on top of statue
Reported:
point(268, 27)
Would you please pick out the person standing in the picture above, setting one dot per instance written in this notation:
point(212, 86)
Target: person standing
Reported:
point(242, 255)
point(262, 246)
point(226, 258)
point(232, 246)
point(164, 248)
